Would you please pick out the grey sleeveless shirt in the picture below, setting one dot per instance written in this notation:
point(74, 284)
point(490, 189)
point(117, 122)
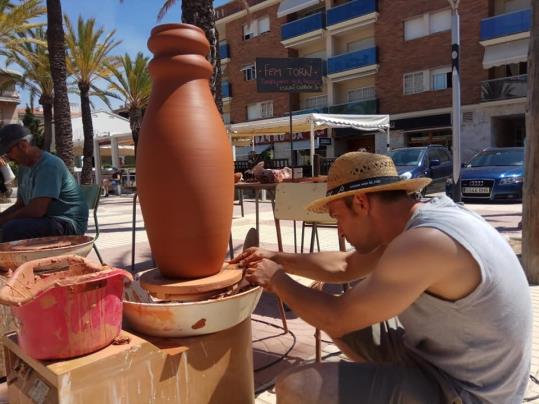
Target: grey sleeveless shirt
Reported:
point(483, 341)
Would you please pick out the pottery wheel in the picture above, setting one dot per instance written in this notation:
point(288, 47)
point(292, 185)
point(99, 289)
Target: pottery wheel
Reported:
point(189, 289)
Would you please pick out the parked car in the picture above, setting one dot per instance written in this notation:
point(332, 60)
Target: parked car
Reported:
point(431, 161)
point(493, 174)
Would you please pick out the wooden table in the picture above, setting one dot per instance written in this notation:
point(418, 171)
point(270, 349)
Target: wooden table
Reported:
point(257, 187)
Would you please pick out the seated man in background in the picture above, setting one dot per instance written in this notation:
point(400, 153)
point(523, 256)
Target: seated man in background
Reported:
point(49, 200)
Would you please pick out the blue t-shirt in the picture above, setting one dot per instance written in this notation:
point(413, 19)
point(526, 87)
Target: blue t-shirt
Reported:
point(50, 178)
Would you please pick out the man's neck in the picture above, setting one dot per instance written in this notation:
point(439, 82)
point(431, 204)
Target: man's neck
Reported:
point(34, 156)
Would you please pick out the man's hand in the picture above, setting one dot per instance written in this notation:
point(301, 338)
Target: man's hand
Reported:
point(263, 272)
point(252, 255)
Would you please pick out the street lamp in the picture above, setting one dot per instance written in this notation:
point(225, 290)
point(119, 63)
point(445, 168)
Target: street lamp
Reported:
point(456, 115)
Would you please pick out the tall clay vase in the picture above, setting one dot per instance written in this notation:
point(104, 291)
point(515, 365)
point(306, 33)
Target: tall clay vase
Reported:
point(185, 170)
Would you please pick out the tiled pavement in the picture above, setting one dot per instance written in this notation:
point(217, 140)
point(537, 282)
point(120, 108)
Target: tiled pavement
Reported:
point(273, 350)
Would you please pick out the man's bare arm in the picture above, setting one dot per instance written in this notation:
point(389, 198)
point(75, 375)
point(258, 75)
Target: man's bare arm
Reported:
point(404, 272)
point(35, 209)
point(329, 267)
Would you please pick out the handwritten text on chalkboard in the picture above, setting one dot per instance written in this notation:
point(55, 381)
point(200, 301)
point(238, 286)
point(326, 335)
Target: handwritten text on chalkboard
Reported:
point(289, 74)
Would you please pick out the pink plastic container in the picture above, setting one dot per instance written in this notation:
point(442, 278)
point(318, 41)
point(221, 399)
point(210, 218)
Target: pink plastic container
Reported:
point(72, 316)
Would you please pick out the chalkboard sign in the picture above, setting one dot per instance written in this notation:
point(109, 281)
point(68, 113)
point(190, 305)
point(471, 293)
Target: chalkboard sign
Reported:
point(288, 75)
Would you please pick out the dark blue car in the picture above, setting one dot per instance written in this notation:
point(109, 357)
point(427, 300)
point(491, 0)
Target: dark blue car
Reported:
point(494, 174)
point(431, 161)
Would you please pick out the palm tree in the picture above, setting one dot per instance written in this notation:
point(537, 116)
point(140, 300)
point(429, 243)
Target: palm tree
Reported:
point(89, 49)
point(63, 131)
point(130, 82)
point(33, 59)
point(14, 20)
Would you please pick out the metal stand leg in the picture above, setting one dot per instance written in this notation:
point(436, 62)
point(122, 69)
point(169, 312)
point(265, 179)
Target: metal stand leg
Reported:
point(133, 232)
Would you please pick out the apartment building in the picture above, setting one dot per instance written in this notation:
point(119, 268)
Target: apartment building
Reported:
point(9, 97)
point(386, 57)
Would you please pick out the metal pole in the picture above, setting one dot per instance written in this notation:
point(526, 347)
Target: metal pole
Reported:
point(456, 115)
point(292, 157)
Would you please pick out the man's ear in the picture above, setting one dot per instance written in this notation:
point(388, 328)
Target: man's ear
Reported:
point(361, 203)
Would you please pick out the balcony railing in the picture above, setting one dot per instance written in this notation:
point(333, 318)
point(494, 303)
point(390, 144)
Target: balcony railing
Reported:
point(352, 60)
point(224, 50)
point(226, 89)
point(350, 10)
point(319, 110)
point(504, 88)
point(357, 107)
point(303, 25)
point(9, 93)
point(506, 24)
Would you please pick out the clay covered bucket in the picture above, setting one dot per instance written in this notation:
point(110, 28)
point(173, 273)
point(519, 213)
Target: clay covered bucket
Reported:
point(185, 170)
point(65, 306)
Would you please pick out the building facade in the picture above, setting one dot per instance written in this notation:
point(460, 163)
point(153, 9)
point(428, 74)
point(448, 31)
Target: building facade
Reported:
point(9, 97)
point(385, 57)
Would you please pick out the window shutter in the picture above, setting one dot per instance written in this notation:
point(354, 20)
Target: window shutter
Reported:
point(440, 21)
point(414, 28)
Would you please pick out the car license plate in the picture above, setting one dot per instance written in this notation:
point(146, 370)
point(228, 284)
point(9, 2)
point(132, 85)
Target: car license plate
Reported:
point(476, 190)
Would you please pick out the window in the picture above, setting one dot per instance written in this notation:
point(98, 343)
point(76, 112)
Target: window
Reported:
point(414, 83)
point(415, 28)
point(440, 21)
point(319, 101)
point(360, 94)
point(427, 80)
point(427, 24)
point(256, 27)
point(249, 72)
point(226, 118)
point(441, 78)
point(266, 109)
point(259, 110)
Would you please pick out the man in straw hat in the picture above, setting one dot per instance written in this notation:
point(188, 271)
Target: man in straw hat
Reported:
point(442, 313)
point(49, 200)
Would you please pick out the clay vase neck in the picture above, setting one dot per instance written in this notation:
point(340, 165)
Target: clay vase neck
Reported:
point(184, 160)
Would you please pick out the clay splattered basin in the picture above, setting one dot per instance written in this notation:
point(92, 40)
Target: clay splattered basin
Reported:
point(189, 318)
point(15, 253)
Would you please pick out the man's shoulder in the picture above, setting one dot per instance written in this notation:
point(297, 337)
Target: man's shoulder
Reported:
point(51, 161)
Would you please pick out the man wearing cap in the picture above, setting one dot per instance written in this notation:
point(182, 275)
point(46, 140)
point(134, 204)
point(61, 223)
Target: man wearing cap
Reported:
point(49, 200)
point(442, 312)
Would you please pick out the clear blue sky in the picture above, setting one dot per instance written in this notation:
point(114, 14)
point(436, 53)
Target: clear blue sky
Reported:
point(132, 20)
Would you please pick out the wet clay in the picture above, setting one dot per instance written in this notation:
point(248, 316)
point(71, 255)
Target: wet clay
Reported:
point(15, 253)
point(185, 178)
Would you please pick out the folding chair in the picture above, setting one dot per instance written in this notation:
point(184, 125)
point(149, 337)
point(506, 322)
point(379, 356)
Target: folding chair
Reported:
point(92, 194)
point(290, 201)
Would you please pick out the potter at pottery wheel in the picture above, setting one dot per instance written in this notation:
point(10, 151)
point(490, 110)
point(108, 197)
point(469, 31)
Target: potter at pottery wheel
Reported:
point(189, 289)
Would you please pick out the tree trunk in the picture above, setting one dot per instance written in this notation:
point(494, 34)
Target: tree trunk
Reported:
point(135, 121)
point(88, 130)
point(63, 131)
point(46, 102)
point(202, 14)
point(530, 213)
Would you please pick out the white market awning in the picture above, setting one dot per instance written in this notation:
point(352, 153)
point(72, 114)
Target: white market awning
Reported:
point(310, 123)
point(292, 6)
point(506, 53)
point(302, 123)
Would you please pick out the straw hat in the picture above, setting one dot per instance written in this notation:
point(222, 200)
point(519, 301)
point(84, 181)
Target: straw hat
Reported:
point(364, 172)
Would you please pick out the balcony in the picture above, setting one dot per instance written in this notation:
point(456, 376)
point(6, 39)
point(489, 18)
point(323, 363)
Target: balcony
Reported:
point(9, 95)
point(303, 30)
point(349, 12)
point(226, 90)
point(357, 107)
point(504, 88)
point(502, 25)
point(224, 51)
point(352, 61)
point(319, 110)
